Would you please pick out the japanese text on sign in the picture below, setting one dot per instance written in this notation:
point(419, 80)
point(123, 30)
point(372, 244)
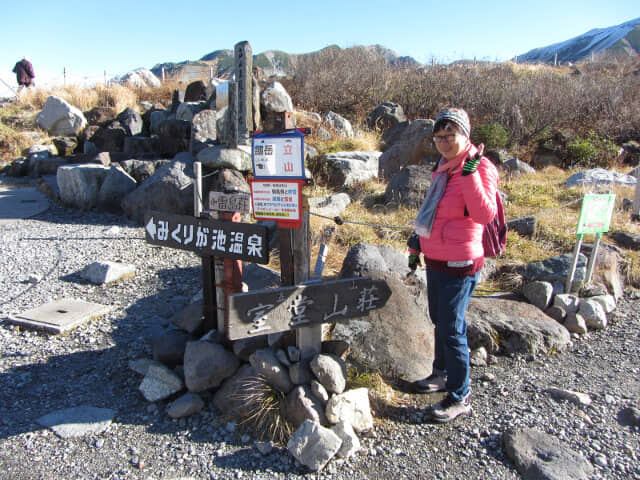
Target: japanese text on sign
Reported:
point(277, 310)
point(276, 200)
point(596, 212)
point(278, 156)
point(208, 237)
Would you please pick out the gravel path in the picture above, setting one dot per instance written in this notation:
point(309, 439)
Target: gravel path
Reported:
point(41, 373)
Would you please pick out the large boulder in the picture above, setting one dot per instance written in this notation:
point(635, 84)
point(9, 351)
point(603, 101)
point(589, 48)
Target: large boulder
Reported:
point(508, 325)
point(330, 206)
point(365, 259)
point(409, 186)
point(116, 185)
point(140, 170)
point(385, 115)
point(100, 116)
point(59, 117)
point(340, 125)
point(196, 91)
point(350, 168)
point(203, 130)
point(397, 340)
point(131, 121)
point(109, 139)
point(169, 189)
point(187, 110)
point(555, 270)
point(207, 365)
point(218, 156)
point(410, 144)
point(275, 99)
point(599, 177)
point(80, 184)
point(173, 136)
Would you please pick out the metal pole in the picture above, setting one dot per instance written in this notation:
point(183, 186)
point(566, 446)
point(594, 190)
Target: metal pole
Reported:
point(64, 76)
point(197, 189)
point(592, 259)
point(635, 211)
point(572, 271)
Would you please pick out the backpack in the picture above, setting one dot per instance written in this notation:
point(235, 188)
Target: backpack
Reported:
point(494, 236)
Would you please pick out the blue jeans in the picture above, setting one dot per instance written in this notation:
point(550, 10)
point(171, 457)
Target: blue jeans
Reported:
point(448, 300)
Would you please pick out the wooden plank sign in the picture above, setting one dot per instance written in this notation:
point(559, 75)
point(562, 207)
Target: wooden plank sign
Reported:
point(230, 202)
point(281, 309)
point(217, 238)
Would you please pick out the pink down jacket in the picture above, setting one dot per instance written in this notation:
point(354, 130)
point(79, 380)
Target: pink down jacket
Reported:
point(454, 236)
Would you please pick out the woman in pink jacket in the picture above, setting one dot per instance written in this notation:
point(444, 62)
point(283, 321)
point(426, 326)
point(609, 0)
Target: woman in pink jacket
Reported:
point(449, 226)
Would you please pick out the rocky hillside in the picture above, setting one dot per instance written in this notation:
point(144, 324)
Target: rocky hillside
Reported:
point(272, 62)
point(619, 40)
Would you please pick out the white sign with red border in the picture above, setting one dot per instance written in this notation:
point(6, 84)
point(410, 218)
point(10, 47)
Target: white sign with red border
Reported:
point(279, 200)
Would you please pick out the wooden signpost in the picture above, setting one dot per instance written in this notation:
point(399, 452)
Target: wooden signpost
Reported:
point(280, 309)
point(216, 238)
point(218, 235)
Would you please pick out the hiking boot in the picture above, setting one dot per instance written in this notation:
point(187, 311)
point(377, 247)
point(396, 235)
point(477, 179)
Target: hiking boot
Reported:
point(450, 408)
point(433, 383)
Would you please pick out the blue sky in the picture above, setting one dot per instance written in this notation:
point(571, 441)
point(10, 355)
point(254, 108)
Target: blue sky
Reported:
point(91, 37)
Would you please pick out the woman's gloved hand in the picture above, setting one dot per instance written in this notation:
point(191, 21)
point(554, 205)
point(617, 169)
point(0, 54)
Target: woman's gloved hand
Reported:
point(414, 261)
point(471, 163)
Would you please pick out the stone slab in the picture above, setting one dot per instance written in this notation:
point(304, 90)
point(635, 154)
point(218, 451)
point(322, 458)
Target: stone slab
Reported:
point(60, 316)
point(20, 202)
point(78, 421)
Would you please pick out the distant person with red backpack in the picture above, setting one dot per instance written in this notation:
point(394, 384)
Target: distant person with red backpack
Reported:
point(24, 73)
point(449, 228)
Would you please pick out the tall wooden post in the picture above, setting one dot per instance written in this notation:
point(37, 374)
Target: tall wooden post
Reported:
point(209, 308)
point(244, 93)
point(308, 339)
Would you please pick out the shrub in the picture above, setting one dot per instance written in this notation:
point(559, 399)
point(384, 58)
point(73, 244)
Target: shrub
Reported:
point(493, 135)
point(592, 151)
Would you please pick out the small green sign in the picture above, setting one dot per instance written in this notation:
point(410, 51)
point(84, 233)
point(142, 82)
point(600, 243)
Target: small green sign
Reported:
point(596, 212)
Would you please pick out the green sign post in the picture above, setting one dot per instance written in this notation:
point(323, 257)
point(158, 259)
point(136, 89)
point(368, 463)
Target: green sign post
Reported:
point(595, 218)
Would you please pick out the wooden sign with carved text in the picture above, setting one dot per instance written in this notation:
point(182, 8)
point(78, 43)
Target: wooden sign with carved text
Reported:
point(281, 309)
point(208, 238)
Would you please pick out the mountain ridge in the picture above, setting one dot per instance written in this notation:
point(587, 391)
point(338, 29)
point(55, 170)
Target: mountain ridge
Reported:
point(622, 39)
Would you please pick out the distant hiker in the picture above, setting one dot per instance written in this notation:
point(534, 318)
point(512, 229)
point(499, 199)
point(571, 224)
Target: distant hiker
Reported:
point(24, 73)
point(448, 231)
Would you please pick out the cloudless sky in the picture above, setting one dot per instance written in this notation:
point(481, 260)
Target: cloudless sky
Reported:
point(91, 37)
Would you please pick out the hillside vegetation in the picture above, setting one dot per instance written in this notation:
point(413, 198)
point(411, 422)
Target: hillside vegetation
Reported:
point(595, 106)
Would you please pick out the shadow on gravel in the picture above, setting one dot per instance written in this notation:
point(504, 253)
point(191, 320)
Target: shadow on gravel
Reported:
point(96, 371)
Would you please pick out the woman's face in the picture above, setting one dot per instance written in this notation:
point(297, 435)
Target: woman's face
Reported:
point(449, 141)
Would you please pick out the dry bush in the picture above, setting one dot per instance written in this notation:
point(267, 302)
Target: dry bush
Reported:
point(119, 97)
point(350, 82)
point(600, 97)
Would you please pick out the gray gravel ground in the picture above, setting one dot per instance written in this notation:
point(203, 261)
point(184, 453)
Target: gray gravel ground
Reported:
point(40, 373)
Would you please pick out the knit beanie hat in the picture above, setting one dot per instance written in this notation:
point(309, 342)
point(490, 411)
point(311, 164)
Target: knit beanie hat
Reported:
point(457, 116)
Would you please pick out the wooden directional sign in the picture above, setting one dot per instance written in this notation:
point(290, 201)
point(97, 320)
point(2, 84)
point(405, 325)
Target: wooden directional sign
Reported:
point(281, 309)
point(230, 202)
point(215, 238)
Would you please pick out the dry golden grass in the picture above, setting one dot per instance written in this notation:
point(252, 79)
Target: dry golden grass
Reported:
point(119, 97)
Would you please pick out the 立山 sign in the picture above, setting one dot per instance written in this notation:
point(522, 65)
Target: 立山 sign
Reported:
point(278, 156)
